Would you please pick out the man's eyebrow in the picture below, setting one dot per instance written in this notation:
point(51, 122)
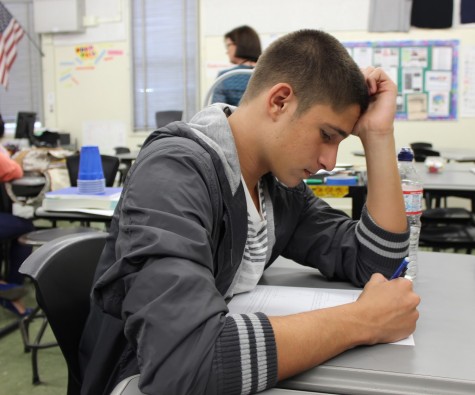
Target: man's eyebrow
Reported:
point(341, 132)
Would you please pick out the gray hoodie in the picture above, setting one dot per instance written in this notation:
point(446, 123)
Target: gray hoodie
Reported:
point(176, 242)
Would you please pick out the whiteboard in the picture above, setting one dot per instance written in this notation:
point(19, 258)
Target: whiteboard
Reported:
point(92, 80)
point(106, 134)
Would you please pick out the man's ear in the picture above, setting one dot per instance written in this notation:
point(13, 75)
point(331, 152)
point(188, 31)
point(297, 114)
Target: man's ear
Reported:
point(279, 98)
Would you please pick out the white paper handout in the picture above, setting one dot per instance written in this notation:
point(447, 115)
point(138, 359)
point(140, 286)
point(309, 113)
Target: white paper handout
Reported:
point(439, 104)
point(438, 81)
point(279, 300)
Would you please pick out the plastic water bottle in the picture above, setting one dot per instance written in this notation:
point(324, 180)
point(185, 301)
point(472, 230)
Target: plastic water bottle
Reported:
point(412, 190)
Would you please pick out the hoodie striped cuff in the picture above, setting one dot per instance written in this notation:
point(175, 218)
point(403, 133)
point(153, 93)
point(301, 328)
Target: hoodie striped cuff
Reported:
point(247, 354)
point(384, 249)
point(379, 241)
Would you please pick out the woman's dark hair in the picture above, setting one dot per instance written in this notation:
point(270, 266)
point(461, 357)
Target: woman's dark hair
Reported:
point(248, 45)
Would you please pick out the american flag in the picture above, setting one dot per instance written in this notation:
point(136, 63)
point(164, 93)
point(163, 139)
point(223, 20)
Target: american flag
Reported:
point(10, 34)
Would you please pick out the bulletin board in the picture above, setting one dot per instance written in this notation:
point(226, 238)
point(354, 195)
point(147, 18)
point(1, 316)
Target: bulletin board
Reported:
point(425, 73)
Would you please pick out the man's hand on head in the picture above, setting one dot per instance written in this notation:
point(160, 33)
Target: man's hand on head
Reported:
point(379, 117)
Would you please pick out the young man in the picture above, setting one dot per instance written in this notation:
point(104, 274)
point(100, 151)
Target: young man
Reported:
point(208, 205)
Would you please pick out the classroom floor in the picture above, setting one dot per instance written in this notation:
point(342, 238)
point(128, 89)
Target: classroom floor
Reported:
point(15, 364)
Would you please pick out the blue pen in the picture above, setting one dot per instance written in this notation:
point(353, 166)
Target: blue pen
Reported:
point(400, 269)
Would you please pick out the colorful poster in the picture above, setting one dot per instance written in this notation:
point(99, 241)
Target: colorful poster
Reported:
point(84, 60)
point(425, 73)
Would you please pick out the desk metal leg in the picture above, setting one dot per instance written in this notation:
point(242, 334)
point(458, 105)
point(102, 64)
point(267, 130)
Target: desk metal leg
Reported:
point(9, 328)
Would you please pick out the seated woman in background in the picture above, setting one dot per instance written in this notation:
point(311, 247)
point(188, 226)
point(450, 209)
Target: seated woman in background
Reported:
point(11, 227)
point(243, 48)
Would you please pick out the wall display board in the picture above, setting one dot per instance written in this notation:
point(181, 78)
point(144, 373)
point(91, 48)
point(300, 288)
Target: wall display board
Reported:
point(425, 73)
point(91, 80)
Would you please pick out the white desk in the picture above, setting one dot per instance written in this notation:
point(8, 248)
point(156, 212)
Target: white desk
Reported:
point(41, 213)
point(443, 360)
point(455, 180)
point(455, 176)
point(455, 154)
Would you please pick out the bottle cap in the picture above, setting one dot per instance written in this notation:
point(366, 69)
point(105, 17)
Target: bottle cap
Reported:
point(405, 155)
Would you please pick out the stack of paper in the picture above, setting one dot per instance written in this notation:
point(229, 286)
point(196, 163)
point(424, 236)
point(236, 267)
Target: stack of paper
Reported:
point(276, 300)
point(69, 199)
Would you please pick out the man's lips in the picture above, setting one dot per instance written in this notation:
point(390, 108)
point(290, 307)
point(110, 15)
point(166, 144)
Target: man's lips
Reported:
point(308, 173)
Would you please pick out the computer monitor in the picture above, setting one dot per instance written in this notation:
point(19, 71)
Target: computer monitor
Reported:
point(25, 125)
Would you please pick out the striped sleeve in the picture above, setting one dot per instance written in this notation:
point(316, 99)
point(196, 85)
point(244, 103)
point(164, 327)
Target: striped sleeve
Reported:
point(246, 355)
point(379, 244)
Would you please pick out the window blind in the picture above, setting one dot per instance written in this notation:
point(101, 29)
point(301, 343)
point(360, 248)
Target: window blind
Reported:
point(165, 52)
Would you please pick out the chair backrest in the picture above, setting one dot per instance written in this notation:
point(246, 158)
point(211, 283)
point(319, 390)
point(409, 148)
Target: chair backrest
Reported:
point(62, 272)
point(29, 189)
point(420, 144)
point(420, 154)
point(228, 75)
point(121, 150)
point(110, 166)
point(163, 118)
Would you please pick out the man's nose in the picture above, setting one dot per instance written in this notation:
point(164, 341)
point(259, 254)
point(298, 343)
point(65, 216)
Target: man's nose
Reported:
point(327, 157)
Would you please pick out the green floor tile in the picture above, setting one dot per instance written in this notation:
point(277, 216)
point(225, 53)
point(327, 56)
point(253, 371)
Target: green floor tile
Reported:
point(15, 363)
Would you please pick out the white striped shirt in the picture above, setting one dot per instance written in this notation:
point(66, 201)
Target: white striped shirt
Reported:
point(255, 250)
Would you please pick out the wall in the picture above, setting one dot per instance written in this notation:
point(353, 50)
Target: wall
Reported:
point(348, 21)
point(87, 78)
point(102, 102)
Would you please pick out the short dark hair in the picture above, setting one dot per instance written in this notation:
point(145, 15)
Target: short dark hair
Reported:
point(246, 39)
point(316, 65)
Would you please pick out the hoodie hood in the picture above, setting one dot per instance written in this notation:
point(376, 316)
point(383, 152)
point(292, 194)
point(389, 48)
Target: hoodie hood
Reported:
point(210, 128)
